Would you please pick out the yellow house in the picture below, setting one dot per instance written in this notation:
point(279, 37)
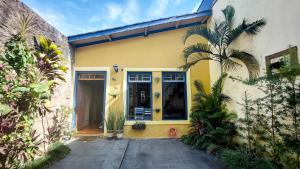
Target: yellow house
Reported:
point(134, 69)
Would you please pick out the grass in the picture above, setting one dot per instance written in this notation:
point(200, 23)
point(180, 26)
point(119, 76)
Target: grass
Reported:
point(55, 153)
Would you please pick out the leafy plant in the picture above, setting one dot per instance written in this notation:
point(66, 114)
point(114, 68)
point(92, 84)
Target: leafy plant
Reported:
point(252, 126)
point(48, 59)
point(240, 159)
point(291, 130)
point(18, 142)
point(60, 125)
point(220, 39)
point(110, 123)
point(212, 124)
point(120, 121)
point(56, 152)
point(139, 126)
point(24, 91)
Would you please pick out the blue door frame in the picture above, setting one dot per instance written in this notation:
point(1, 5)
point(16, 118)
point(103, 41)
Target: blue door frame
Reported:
point(77, 73)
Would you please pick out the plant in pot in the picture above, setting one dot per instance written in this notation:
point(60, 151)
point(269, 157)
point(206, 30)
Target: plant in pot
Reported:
point(120, 125)
point(139, 126)
point(110, 125)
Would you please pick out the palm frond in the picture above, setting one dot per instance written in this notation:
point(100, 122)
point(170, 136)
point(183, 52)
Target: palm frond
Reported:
point(202, 31)
point(229, 13)
point(225, 98)
point(230, 64)
point(255, 27)
point(192, 60)
point(249, 28)
point(250, 62)
point(25, 24)
point(199, 86)
point(218, 86)
point(200, 48)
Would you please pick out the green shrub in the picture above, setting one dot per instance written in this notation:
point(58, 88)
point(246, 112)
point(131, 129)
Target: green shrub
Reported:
point(212, 124)
point(239, 159)
point(56, 152)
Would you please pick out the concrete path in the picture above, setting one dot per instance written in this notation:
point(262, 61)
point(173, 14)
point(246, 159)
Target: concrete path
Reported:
point(166, 154)
point(135, 154)
point(98, 154)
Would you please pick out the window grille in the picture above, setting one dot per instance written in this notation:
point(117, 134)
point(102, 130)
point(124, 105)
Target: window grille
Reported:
point(174, 77)
point(139, 77)
point(91, 77)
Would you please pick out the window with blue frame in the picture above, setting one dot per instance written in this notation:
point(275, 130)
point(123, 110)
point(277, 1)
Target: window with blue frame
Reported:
point(174, 96)
point(139, 96)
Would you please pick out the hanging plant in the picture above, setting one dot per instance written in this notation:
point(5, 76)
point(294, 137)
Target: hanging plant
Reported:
point(157, 95)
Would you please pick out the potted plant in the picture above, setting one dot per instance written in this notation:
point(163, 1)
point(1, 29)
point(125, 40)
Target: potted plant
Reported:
point(139, 126)
point(120, 125)
point(157, 94)
point(157, 110)
point(110, 125)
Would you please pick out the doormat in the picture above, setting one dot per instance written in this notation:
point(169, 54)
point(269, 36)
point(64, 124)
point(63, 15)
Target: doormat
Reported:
point(87, 138)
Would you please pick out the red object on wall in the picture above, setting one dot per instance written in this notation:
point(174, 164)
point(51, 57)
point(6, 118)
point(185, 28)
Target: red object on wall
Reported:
point(172, 132)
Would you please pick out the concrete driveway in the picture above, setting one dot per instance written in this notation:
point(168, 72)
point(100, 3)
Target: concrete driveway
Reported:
point(135, 154)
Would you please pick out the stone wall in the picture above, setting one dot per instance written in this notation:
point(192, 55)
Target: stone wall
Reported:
point(9, 12)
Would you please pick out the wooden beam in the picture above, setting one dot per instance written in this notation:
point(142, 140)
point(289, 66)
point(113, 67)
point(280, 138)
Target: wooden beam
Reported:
point(109, 38)
point(177, 24)
point(146, 32)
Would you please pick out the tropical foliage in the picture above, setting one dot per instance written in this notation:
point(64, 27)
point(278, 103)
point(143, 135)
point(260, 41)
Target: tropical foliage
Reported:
point(220, 39)
point(25, 90)
point(241, 159)
point(272, 121)
point(212, 124)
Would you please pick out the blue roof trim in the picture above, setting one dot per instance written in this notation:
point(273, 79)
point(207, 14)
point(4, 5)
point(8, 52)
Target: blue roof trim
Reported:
point(135, 35)
point(110, 31)
point(206, 5)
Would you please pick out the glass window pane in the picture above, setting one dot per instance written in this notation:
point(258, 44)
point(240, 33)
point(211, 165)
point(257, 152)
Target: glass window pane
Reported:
point(174, 98)
point(139, 97)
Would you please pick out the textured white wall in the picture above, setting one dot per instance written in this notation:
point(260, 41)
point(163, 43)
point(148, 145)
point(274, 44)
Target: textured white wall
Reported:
point(281, 31)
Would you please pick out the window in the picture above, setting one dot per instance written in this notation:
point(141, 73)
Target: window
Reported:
point(276, 61)
point(139, 96)
point(174, 96)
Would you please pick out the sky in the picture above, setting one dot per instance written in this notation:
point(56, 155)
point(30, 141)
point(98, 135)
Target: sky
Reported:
point(81, 16)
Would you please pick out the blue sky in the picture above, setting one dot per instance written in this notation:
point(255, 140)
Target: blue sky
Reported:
point(81, 16)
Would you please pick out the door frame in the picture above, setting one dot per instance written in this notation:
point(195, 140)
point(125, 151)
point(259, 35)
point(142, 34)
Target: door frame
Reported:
point(79, 70)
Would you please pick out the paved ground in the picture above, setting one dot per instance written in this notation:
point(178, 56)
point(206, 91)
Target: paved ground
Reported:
point(135, 154)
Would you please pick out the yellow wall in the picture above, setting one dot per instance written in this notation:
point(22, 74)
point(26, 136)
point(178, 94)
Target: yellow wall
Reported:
point(155, 53)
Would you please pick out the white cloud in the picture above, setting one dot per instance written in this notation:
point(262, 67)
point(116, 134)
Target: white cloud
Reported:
point(114, 11)
point(130, 12)
point(94, 19)
point(158, 8)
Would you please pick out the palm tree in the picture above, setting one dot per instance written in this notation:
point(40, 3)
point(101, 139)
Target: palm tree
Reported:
point(220, 39)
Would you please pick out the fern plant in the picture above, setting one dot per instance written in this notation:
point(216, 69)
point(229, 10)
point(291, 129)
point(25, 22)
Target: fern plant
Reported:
point(212, 124)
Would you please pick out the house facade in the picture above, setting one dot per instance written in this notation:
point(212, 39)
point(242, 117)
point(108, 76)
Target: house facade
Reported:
point(135, 70)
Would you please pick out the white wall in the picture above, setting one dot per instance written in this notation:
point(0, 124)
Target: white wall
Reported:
point(282, 30)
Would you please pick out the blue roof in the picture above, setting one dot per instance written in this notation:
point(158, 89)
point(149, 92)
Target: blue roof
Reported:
point(90, 38)
point(206, 5)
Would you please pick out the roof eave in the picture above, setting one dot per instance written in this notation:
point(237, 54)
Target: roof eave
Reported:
point(76, 39)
